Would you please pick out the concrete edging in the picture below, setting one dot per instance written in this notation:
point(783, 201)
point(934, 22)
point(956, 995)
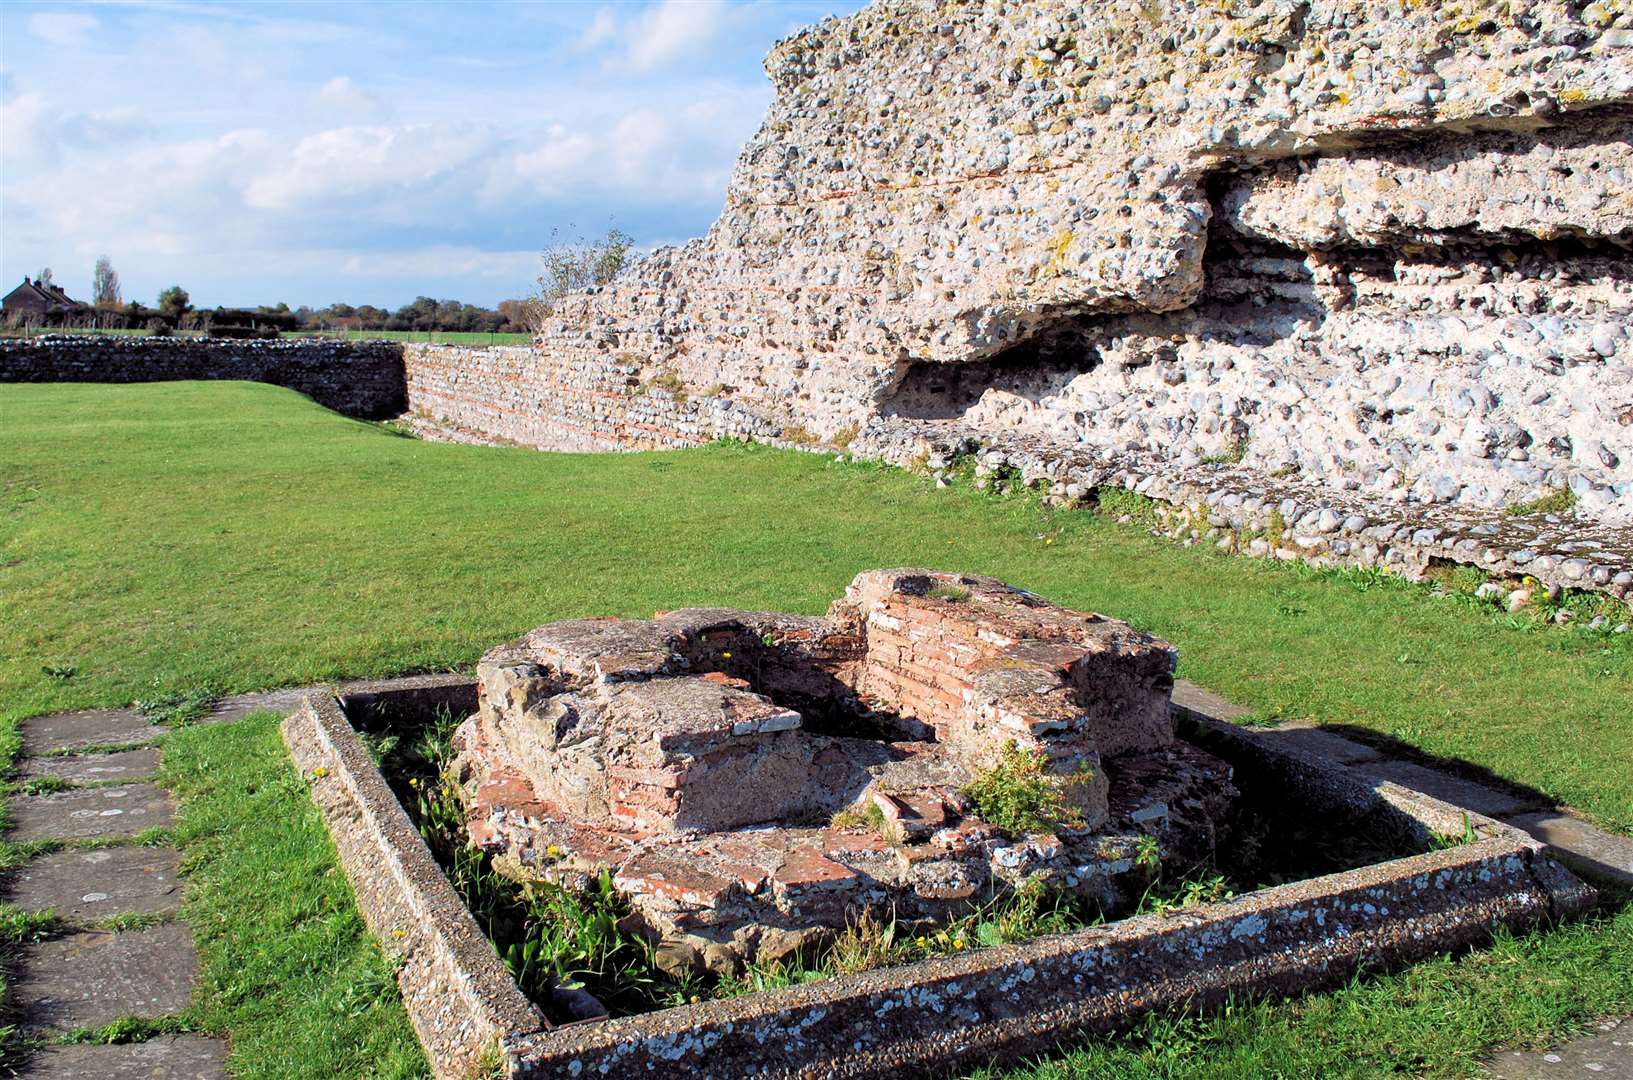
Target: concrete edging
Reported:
point(462, 1002)
point(948, 1012)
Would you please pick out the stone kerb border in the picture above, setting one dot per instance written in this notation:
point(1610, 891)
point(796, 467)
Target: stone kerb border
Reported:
point(462, 1002)
point(948, 1012)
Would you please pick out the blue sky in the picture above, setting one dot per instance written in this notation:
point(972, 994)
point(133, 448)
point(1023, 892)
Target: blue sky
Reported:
point(370, 153)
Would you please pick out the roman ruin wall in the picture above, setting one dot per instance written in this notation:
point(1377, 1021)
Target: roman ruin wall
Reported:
point(1383, 247)
point(1357, 275)
point(363, 379)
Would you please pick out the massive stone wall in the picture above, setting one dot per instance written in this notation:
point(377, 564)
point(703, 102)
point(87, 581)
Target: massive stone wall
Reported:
point(362, 379)
point(1381, 247)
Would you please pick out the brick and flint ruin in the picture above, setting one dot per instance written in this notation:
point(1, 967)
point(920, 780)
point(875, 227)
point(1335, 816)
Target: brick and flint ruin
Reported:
point(756, 781)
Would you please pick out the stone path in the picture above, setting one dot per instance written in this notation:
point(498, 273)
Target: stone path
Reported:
point(91, 975)
point(1606, 1054)
point(1594, 854)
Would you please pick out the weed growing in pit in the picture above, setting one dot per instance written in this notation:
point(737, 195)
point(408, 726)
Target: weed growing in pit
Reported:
point(870, 817)
point(872, 941)
point(1017, 797)
point(548, 936)
point(953, 594)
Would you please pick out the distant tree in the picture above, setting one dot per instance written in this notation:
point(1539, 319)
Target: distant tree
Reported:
point(175, 302)
point(105, 284)
point(572, 266)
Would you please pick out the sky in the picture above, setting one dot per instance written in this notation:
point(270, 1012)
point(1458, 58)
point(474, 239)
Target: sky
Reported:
point(368, 153)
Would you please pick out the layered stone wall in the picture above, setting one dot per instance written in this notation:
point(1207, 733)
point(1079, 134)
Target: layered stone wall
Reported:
point(362, 379)
point(1378, 247)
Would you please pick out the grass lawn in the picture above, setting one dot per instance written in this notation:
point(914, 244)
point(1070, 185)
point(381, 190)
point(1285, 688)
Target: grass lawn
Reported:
point(236, 536)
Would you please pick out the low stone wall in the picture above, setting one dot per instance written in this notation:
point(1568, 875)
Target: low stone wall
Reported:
point(522, 396)
point(533, 397)
point(362, 379)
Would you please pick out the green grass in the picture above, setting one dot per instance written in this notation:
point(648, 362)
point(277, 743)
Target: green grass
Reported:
point(1555, 502)
point(442, 337)
point(159, 539)
point(288, 966)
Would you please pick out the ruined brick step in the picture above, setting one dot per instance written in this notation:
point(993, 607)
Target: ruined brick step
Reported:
point(93, 978)
point(168, 1057)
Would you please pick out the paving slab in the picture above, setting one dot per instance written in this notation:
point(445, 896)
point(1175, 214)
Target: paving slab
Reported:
point(90, 979)
point(97, 727)
point(1321, 743)
point(89, 813)
point(1453, 789)
point(1188, 695)
point(1604, 1054)
point(239, 706)
point(1587, 849)
point(87, 885)
point(169, 1057)
point(93, 768)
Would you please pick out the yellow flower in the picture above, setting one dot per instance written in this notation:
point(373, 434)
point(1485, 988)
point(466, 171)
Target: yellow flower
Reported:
point(921, 942)
point(958, 943)
point(694, 999)
point(552, 851)
point(399, 934)
point(1049, 541)
point(415, 782)
point(320, 772)
point(726, 655)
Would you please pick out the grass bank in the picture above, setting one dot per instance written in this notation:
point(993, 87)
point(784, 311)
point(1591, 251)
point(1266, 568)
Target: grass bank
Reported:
point(233, 536)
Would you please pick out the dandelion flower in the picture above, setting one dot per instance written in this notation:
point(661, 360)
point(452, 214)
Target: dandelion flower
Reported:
point(320, 772)
point(552, 851)
point(726, 655)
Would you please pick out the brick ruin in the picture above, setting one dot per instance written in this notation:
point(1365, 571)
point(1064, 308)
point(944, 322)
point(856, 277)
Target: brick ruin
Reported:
point(755, 781)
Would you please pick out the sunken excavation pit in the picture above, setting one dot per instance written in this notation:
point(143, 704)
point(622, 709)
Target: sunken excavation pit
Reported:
point(726, 797)
point(755, 781)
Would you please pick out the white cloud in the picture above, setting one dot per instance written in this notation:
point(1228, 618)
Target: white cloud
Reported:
point(26, 122)
point(345, 163)
point(670, 29)
point(296, 179)
point(437, 261)
point(601, 30)
point(61, 28)
point(343, 97)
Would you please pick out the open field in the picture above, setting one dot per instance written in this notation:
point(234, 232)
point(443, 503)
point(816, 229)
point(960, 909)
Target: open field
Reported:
point(234, 536)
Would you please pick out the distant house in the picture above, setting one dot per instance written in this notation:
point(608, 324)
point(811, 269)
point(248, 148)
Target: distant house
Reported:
point(40, 299)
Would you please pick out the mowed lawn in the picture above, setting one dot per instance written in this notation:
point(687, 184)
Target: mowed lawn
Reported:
point(236, 536)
